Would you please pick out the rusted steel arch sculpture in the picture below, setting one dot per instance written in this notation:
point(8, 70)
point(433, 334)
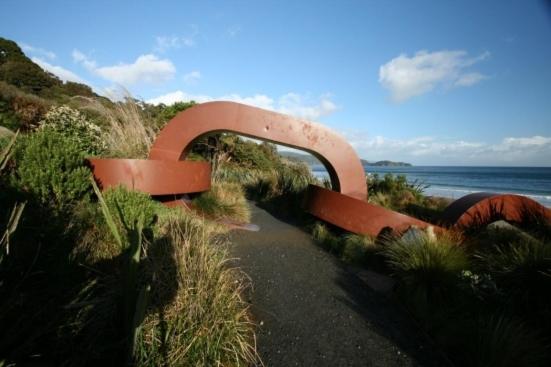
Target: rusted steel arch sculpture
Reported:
point(480, 209)
point(341, 161)
point(346, 207)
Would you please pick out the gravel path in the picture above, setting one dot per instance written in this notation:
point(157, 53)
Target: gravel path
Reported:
point(312, 311)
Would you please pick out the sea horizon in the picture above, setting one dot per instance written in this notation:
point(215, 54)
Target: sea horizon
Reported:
point(457, 181)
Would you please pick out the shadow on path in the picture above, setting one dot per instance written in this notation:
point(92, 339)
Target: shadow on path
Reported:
point(312, 311)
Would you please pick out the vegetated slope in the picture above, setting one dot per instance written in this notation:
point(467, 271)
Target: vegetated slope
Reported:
point(18, 70)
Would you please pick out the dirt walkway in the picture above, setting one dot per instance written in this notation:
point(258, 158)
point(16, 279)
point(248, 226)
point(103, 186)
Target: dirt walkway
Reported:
point(312, 311)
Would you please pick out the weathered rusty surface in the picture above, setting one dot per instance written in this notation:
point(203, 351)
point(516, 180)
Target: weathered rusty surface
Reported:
point(480, 209)
point(354, 215)
point(341, 161)
point(152, 177)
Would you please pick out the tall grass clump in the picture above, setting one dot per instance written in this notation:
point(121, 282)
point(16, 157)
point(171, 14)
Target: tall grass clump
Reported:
point(428, 269)
point(129, 133)
point(224, 201)
point(206, 321)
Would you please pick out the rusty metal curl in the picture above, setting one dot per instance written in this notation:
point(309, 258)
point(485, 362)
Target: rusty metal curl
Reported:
point(480, 209)
point(166, 173)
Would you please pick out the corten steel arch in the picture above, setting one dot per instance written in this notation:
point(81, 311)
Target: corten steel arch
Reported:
point(344, 167)
point(480, 209)
point(347, 208)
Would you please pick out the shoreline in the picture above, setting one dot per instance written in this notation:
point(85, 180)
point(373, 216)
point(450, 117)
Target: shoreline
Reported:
point(454, 193)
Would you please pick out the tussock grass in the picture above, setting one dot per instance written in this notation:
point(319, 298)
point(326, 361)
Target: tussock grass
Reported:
point(224, 201)
point(206, 323)
point(428, 269)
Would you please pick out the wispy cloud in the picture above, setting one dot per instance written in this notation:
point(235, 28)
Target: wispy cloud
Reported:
point(37, 51)
point(534, 150)
point(165, 43)
point(233, 30)
point(406, 77)
point(60, 72)
point(192, 77)
point(291, 103)
point(146, 69)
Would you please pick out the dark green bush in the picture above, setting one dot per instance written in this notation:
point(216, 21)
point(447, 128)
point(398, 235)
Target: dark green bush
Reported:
point(51, 168)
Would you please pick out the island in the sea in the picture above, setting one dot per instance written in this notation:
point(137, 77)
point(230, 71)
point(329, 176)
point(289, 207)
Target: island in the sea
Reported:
point(312, 161)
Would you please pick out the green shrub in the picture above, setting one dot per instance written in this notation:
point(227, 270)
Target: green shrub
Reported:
point(75, 126)
point(51, 167)
point(394, 192)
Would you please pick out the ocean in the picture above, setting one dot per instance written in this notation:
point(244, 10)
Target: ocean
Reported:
point(455, 182)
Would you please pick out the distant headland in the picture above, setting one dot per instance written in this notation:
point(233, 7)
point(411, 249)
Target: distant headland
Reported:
point(311, 160)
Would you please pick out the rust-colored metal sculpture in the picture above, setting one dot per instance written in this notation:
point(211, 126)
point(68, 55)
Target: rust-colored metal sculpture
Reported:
point(339, 158)
point(166, 173)
point(356, 215)
point(480, 209)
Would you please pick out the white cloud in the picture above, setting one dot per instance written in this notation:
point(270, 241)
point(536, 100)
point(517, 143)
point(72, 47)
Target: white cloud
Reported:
point(192, 77)
point(535, 150)
point(466, 80)
point(60, 72)
point(37, 51)
point(407, 77)
point(165, 43)
point(81, 58)
point(297, 105)
point(290, 103)
point(148, 69)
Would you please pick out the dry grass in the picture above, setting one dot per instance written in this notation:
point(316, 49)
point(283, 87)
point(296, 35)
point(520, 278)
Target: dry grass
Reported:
point(129, 133)
point(205, 322)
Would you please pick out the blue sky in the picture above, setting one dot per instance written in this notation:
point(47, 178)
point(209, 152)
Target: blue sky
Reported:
point(428, 82)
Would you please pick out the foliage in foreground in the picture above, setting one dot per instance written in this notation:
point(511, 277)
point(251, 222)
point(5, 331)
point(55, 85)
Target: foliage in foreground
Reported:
point(484, 309)
point(206, 322)
point(99, 281)
point(51, 167)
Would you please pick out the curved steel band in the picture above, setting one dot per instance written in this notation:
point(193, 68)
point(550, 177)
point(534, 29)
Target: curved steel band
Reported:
point(483, 208)
point(167, 173)
point(153, 177)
